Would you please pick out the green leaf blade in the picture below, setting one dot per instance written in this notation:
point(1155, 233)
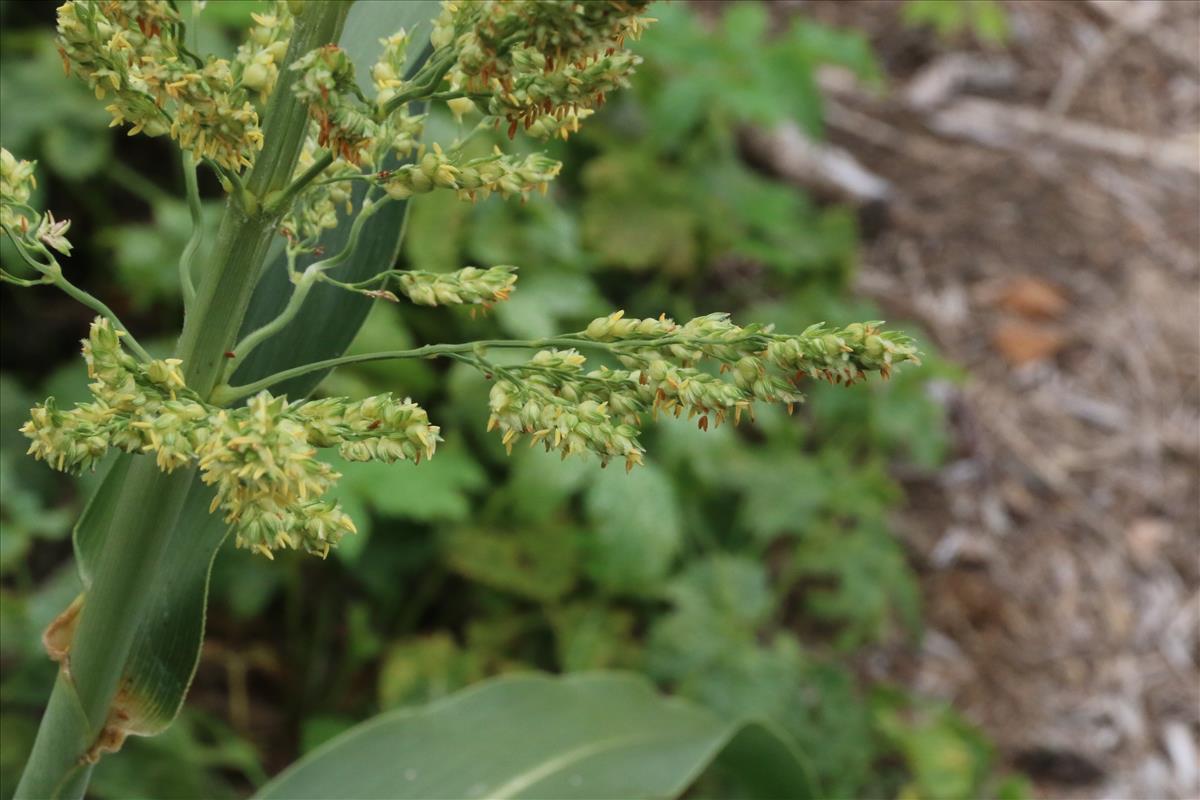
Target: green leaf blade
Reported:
point(589, 735)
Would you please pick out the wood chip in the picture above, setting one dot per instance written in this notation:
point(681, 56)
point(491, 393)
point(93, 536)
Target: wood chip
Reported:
point(1023, 343)
point(1033, 298)
point(1146, 537)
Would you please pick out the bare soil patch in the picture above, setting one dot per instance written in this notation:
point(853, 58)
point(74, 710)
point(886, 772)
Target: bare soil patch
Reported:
point(1043, 224)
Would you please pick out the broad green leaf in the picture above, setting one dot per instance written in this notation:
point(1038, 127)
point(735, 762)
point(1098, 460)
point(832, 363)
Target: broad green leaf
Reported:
point(724, 585)
point(426, 668)
point(719, 605)
point(783, 494)
point(17, 732)
point(317, 730)
point(167, 645)
point(541, 482)
point(589, 735)
point(593, 636)
point(635, 529)
point(539, 563)
point(710, 650)
point(648, 202)
point(536, 235)
point(946, 757)
point(859, 579)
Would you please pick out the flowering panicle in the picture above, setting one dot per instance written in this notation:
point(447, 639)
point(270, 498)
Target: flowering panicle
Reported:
point(388, 71)
point(546, 64)
point(400, 134)
point(315, 210)
point(267, 476)
point(262, 457)
point(135, 407)
point(539, 58)
point(469, 285)
point(842, 355)
point(327, 86)
point(132, 49)
point(258, 58)
point(399, 131)
point(379, 428)
point(533, 91)
point(543, 398)
point(356, 130)
point(541, 64)
point(34, 228)
point(550, 403)
point(17, 183)
point(557, 126)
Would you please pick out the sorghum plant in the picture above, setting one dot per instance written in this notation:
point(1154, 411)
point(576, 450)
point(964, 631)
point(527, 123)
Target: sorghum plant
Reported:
point(301, 148)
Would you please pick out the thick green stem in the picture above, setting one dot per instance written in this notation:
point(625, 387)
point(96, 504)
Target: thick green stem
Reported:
point(150, 501)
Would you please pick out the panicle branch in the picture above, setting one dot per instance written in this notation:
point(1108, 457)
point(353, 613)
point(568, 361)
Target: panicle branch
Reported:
point(543, 398)
point(262, 457)
point(132, 51)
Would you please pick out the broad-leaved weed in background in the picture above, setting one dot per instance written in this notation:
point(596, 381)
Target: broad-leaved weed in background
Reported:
point(699, 567)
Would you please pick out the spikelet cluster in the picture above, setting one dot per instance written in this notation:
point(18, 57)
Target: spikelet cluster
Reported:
point(378, 428)
point(539, 59)
point(543, 398)
point(135, 407)
point(400, 131)
point(507, 175)
point(388, 71)
point(469, 285)
point(316, 209)
point(17, 183)
point(355, 129)
point(552, 402)
point(327, 86)
point(266, 474)
point(34, 228)
point(258, 58)
point(838, 355)
point(545, 65)
point(261, 458)
point(131, 52)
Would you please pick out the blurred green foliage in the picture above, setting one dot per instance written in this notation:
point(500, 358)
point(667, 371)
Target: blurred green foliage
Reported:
point(984, 19)
point(743, 567)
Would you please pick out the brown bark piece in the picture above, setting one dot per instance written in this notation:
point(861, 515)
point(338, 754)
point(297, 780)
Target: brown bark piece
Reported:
point(1021, 343)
